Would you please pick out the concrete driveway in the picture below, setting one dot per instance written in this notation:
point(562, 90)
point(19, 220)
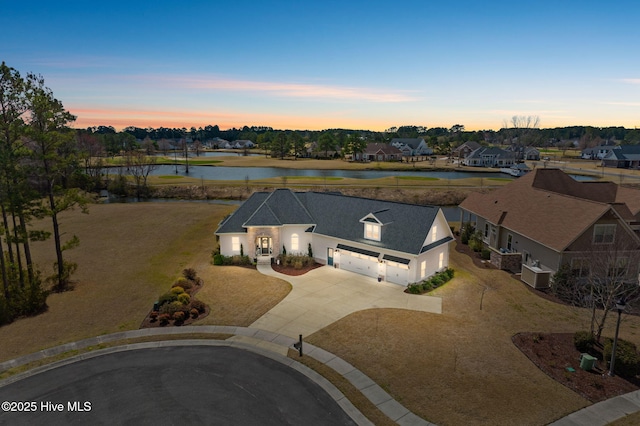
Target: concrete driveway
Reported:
point(324, 295)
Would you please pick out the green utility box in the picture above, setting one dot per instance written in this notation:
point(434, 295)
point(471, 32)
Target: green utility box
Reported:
point(587, 362)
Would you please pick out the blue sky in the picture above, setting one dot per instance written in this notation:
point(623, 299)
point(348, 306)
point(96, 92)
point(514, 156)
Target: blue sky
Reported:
point(317, 65)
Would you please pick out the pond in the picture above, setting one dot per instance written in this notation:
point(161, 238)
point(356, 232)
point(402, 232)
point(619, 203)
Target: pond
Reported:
point(255, 173)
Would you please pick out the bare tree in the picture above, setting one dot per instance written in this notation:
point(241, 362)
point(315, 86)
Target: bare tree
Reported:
point(140, 166)
point(605, 271)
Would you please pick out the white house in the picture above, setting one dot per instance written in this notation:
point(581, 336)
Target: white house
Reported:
point(395, 242)
point(411, 146)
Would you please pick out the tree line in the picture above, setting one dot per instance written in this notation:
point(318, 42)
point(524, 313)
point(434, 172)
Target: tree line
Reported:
point(38, 174)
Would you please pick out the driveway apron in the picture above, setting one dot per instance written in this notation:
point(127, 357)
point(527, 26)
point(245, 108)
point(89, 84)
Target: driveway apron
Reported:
point(324, 295)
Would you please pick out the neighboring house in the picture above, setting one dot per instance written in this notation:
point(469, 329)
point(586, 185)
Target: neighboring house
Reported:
point(623, 157)
point(395, 242)
point(596, 153)
point(546, 219)
point(378, 152)
point(524, 153)
point(411, 146)
point(489, 157)
point(242, 144)
point(464, 150)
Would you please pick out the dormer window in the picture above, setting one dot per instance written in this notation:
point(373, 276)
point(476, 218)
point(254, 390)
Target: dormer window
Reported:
point(372, 231)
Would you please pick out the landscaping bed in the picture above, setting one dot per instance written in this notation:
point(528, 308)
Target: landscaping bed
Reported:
point(178, 306)
point(553, 353)
point(289, 270)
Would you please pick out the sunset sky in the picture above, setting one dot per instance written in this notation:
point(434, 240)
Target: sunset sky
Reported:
point(332, 64)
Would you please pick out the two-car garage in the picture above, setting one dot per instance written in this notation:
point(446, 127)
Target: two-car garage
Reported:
point(366, 262)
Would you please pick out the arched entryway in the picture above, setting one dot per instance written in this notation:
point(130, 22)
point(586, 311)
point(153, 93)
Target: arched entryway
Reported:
point(264, 246)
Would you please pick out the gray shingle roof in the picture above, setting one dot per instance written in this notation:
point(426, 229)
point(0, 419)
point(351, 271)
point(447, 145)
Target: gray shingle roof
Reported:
point(405, 225)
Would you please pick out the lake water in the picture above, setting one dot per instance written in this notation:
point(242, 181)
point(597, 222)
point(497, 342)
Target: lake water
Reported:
point(254, 173)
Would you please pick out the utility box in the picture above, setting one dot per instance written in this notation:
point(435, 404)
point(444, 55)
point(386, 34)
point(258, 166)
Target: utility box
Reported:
point(587, 362)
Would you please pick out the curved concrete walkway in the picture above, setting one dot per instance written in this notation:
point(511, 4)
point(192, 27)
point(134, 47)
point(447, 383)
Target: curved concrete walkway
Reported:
point(324, 295)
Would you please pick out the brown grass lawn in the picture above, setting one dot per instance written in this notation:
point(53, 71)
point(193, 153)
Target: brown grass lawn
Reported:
point(238, 296)
point(461, 367)
point(128, 255)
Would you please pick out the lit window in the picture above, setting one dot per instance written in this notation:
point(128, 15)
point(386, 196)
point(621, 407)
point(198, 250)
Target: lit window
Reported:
point(294, 242)
point(441, 261)
point(434, 233)
point(371, 231)
point(235, 244)
point(604, 234)
point(423, 269)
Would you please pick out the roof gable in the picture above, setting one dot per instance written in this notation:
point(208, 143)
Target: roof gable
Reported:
point(546, 206)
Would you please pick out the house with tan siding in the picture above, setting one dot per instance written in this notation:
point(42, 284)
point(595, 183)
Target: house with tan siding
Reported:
point(546, 218)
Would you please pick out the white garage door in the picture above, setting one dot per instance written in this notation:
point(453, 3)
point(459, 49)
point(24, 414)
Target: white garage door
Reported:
point(396, 269)
point(397, 275)
point(362, 262)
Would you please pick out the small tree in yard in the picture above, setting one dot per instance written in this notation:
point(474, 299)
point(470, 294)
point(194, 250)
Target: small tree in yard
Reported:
point(604, 272)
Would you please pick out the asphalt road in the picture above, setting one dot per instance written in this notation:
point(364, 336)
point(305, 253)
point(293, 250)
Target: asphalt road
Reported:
point(174, 385)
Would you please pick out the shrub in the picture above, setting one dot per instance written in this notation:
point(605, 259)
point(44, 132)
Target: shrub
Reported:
point(284, 250)
point(184, 283)
point(164, 319)
point(297, 264)
point(184, 298)
point(218, 259)
point(178, 316)
point(414, 288)
point(627, 359)
point(153, 316)
point(198, 305)
point(190, 274)
point(583, 341)
point(485, 253)
point(177, 290)
point(241, 250)
point(167, 298)
point(194, 313)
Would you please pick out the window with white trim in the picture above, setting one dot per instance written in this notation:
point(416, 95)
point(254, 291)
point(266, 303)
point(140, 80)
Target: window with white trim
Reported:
point(423, 269)
point(604, 234)
point(235, 244)
point(441, 260)
point(372, 231)
point(294, 242)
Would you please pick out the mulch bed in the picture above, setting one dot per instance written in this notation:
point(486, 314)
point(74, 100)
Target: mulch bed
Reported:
point(147, 322)
point(553, 353)
point(287, 270)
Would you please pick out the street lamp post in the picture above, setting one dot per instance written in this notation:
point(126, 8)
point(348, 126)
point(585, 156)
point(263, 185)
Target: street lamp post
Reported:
point(620, 305)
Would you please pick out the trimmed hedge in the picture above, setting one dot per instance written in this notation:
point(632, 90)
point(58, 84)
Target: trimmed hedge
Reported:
point(431, 283)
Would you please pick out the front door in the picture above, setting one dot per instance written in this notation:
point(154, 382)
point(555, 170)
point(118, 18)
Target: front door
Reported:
point(264, 246)
point(330, 256)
